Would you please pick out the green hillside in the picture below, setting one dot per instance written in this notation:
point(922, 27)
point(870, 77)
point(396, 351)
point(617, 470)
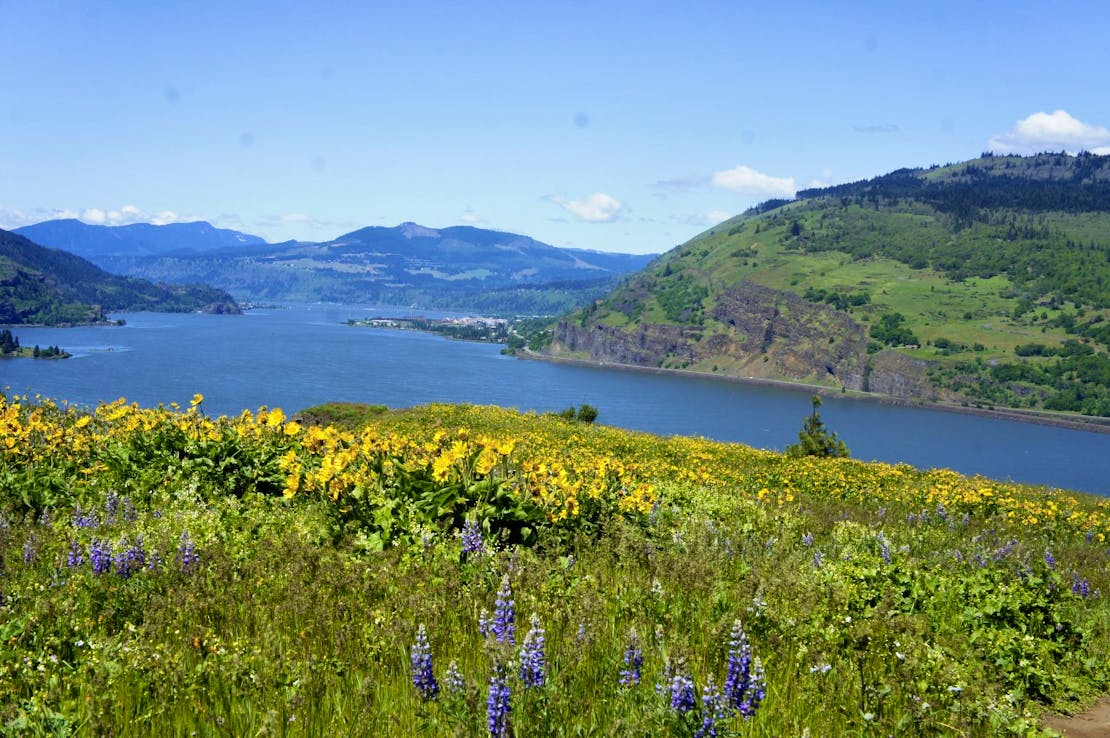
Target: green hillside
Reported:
point(985, 282)
point(51, 287)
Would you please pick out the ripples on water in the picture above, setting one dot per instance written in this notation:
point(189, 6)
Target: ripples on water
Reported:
point(305, 355)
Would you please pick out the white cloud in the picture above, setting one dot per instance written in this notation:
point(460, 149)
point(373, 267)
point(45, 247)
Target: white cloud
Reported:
point(124, 215)
point(470, 218)
point(712, 218)
point(748, 181)
point(169, 216)
point(596, 208)
point(1051, 132)
point(96, 216)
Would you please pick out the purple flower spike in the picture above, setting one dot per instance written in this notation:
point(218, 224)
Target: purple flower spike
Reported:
point(472, 543)
point(187, 554)
point(100, 556)
point(498, 706)
point(76, 557)
point(633, 661)
point(503, 627)
point(423, 677)
point(533, 662)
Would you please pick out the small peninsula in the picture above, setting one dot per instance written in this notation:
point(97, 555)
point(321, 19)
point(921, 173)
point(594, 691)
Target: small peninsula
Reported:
point(10, 348)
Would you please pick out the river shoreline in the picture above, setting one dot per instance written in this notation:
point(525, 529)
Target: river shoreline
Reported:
point(1092, 425)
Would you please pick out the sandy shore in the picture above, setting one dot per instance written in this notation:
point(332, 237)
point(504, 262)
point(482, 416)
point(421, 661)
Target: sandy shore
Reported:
point(1059, 420)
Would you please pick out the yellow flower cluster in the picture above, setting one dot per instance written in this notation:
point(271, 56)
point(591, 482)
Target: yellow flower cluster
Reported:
point(561, 467)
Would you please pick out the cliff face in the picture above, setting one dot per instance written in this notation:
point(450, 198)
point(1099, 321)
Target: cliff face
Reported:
point(754, 331)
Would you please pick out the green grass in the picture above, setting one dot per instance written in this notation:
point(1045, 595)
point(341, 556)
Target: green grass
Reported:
point(957, 321)
point(873, 611)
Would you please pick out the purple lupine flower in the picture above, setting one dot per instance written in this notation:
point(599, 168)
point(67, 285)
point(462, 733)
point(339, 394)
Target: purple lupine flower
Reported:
point(738, 676)
point(187, 555)
point(681, 692)
point(100, 556)
point(1004, 551)
point(503, 626)
point(453, 682)
point(533, 661)
point(130, 559)
point(472, 543)
point(807, 539)
point(1049, 559)
point(884, 551)
point(76, 557)
point(30, 549)
point(712, 710)
point(1089, 536)
point(423, 677)
point(498, 706)
point(1079, 586)
point(85, 519)
point(111, 507)
point(154, 561)
point(818, 559)
point(130, 514)
point(757, 690)
point(959, 556)
point(633, 660)
point(485, 623)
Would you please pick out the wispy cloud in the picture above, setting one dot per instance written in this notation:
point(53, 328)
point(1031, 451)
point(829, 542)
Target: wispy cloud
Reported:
point(880, 128)
point(712, 218)
point(471, 218)
point(684, 184)
point(596, 208)
point(299, 220)
point(1051, 132)
point(748, 181)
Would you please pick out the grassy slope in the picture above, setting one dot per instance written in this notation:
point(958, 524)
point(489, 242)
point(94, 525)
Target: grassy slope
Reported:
point(880, 600)
point(972, 311)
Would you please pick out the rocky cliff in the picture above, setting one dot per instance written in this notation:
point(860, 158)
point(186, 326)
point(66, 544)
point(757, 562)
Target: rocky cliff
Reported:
point(754, 331)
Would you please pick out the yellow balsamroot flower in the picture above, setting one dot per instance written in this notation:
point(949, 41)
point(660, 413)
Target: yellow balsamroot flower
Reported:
point(198, 398)
point(441, 467)
point(486, 462)
point(275, 418)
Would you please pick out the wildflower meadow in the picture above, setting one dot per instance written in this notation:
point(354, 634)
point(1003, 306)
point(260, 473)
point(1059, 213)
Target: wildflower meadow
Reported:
point(475, 571)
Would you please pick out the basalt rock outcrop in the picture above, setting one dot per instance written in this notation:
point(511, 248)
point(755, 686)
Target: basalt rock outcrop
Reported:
point(754, 331)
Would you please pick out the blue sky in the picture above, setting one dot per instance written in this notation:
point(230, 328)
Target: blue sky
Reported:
point(621, 126)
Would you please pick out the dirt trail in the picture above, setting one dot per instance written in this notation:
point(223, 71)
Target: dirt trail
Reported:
point(1094, 723)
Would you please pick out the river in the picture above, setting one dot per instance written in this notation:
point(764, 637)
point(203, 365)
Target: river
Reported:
point(301, 355)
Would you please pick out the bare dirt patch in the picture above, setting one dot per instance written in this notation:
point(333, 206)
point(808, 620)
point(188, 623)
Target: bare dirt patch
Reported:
point(1094, 723)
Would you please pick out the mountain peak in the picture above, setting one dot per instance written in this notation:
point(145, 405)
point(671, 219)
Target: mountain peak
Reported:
point(409, 229)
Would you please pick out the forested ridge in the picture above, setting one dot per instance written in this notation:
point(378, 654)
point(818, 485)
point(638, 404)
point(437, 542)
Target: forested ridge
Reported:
point(52, 287)
point(953, 268)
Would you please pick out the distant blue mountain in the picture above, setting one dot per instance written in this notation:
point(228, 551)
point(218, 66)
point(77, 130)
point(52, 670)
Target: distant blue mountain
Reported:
point(45, 286)
point(139, 239)
point(459, 267)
